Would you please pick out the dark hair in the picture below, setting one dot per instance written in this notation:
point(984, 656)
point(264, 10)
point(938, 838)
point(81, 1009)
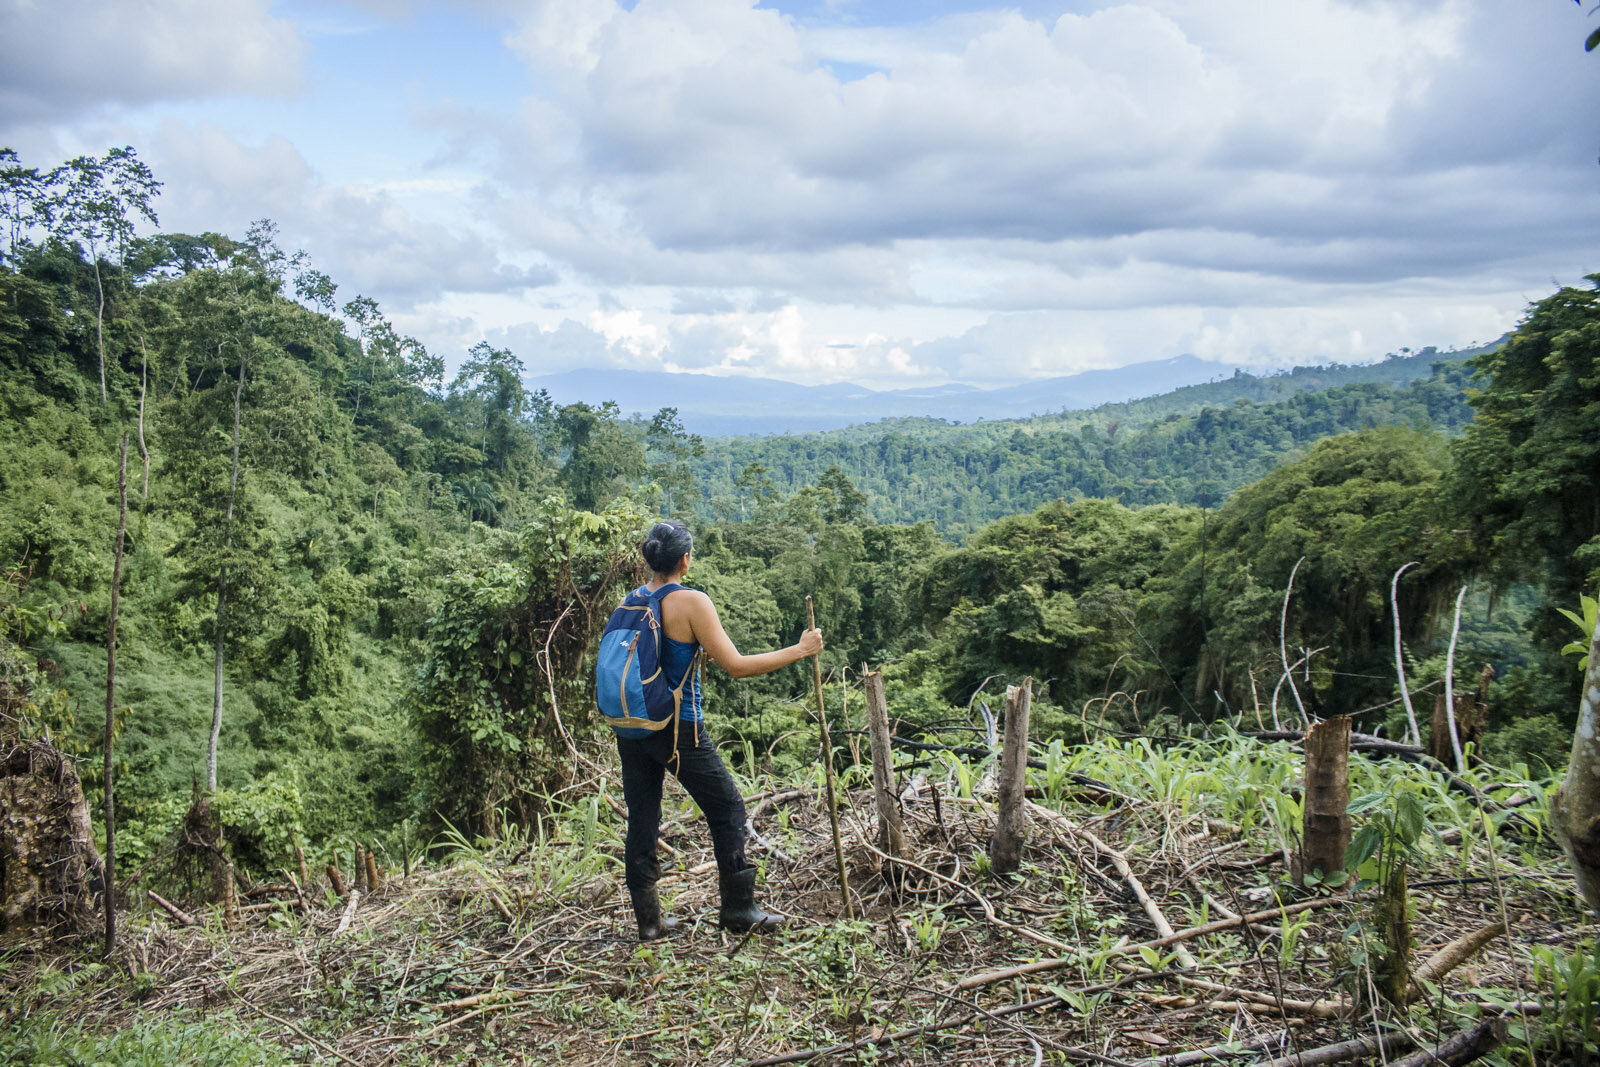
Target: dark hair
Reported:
point(667, 544)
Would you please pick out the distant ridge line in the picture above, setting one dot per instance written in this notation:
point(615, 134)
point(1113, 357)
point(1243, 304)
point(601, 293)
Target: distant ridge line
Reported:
point(715, 406)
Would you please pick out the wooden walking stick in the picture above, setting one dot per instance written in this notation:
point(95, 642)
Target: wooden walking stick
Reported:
point(827, 762)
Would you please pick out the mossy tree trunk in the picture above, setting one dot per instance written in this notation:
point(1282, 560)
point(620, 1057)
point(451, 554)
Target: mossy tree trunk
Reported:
point(1575, 811)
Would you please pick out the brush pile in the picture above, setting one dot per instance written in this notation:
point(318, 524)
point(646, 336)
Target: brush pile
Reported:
point(1151, 922)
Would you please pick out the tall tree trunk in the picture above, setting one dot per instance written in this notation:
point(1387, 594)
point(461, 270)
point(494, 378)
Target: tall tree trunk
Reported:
point(110, 879)
point(222, 591)
point(99, 325)
point(1575, 811)
point(144, 381)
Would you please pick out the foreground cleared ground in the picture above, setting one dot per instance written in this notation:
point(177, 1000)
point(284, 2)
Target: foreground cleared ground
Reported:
point(522, 951)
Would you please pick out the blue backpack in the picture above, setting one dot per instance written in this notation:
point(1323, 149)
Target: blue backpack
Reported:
point(630, 685)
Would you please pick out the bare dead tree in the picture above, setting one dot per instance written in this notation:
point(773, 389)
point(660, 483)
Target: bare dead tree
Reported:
point(1450, 685)
point(1399, 657)
point(1283, 643)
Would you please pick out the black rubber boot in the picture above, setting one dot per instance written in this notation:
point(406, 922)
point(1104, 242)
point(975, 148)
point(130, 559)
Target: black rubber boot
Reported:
point(740, 912)
point(647, 912)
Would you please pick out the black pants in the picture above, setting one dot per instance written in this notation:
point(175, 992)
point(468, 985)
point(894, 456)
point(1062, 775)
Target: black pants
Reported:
point(701, 771)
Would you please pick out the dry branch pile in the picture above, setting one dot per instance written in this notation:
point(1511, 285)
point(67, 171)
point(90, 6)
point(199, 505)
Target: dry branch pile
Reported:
point(1135, 931)
point(49, 867)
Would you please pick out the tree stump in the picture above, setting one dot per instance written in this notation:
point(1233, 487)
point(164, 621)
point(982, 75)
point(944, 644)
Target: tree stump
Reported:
point(1011, 825)
point(891, 832)
point(1325, 824)
point(50, 870)
point(1472, 720)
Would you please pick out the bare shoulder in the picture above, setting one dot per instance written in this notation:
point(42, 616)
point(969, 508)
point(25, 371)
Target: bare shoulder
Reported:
point(686, 599)
point(693, 599)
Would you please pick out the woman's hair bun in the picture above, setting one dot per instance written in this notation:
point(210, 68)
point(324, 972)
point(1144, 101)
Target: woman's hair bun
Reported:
point(666, 545)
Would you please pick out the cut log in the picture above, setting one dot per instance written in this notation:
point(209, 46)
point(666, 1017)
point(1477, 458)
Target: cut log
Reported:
point(50, 870)
point(179, 916)
point(1466, 1046)
point(1452, 956)
point(1359, 1049)
point(349, 912)
point(1325, 824)
point(891, 832)
point(1011, 822)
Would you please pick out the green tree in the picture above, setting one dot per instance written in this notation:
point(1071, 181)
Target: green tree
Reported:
point(1354, 509)
point(490, 384)
point(96, 204)
point(603, 455)
point(1052, 594)
point(27, 203)
point(503, 695)
point(669, 450)
point(1525, 467)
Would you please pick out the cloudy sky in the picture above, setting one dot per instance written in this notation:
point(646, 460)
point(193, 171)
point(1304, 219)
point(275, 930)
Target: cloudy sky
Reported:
point(895, 193)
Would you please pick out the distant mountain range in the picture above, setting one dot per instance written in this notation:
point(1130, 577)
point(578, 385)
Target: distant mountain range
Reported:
point(716, 406)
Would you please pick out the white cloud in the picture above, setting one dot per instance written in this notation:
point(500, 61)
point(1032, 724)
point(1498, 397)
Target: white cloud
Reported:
point(60, 57)
point(707, 184)
point(1256, 180)
point(364, 237)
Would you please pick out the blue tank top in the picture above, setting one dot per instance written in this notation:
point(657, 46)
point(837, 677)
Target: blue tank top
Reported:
point(675, 659)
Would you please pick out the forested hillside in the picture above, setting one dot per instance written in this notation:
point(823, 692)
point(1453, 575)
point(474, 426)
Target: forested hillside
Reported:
point(316, 517)
point(359, 601)
point(1193, 446)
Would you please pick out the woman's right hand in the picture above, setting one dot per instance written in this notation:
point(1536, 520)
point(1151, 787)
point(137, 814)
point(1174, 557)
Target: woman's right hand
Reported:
point(810, 643)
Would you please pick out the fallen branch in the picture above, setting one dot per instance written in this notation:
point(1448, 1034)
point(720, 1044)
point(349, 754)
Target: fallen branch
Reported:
point(1452, 956)
point(772, 800)
point(1361, 1048)
point(988, 909)
point(1327, 1008)
point(949, 1024)
point(991, 977)
point(329, 1049)
point(1466, 1046)
point(179, 916)
point(349, 912)
point(1216, 1052)
point(1120, 862)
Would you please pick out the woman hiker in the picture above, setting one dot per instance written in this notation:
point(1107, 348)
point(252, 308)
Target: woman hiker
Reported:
point(690, 625)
